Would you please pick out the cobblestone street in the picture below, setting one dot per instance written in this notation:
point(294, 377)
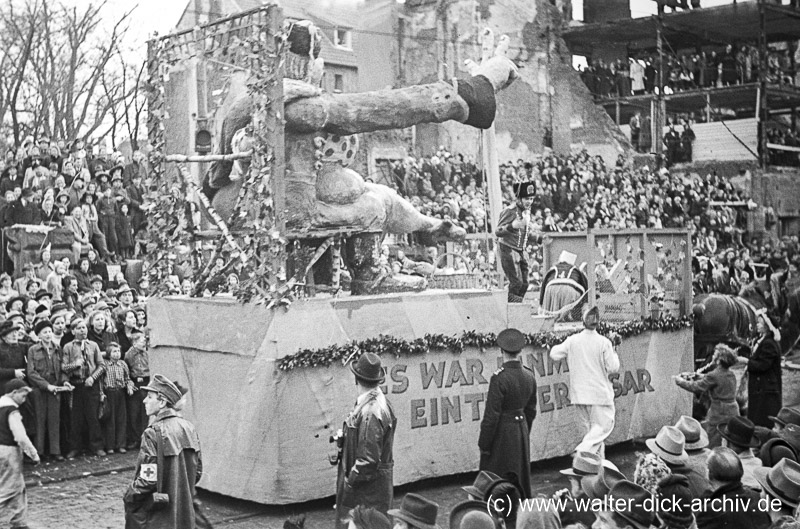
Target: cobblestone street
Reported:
point(87, 493)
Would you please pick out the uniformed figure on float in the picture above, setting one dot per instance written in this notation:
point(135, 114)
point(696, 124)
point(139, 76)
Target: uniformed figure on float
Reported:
point(514, 232)
point(366, 464)
point(504, 440)
point(591, 357)
point(563, 284)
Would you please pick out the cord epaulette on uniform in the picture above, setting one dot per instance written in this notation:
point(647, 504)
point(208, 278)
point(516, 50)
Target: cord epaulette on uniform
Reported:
point(498, 371)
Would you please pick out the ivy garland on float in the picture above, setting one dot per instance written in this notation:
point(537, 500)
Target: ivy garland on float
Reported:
point(257, 251)
point(397, 347)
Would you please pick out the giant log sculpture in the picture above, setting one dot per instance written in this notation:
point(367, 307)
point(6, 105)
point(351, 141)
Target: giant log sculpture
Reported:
point(322, 193)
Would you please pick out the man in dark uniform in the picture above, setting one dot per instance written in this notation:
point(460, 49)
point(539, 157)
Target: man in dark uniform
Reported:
point(514, 232)
point(366, 465)
point(169, 465)
point(504, 440)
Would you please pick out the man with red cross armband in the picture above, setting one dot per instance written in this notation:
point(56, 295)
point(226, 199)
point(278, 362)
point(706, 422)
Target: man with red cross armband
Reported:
point(514, 232)
point(163, 494)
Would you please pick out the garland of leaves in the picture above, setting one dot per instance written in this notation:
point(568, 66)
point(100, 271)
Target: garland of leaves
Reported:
point(397, 347)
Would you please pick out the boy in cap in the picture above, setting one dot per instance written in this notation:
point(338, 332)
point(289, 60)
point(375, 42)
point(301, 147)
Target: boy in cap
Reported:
point(162, 493)
point(590, 357)
point(83, 365)
point(504, 441)
point(13, 442)
point(514, 231)
point(365, 461)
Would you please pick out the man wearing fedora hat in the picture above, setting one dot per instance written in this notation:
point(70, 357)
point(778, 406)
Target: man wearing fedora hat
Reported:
point(365, 460)
point(781, 482)
point(583, 464)
point(504, 441)
point(591, 357)
point(738, 434)
point(634, 515)
point(725, 475)
point(415, 512)
point(696, 444)
point(162, 493)
point(477, 491)
point(785, 416)
point(13, 442)
point(514, 231)
point(669, 445)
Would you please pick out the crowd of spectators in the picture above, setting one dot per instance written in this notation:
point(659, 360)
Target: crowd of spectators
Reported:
point(732, 65)
point(99, 198)
point(73, 328)
point(788, 137)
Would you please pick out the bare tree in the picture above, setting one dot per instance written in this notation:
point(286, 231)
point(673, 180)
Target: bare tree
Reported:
point(63, 72)
point(18, 35)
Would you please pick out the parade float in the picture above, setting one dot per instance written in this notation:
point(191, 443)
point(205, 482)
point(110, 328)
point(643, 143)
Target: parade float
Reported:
point(266, 365)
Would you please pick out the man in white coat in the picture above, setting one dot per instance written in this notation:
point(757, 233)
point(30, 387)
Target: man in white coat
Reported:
point(590, 357)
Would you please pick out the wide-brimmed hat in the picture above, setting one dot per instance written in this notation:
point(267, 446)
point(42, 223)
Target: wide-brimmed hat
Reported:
point(584, 464)
point(774, 450)
point(95, 278)
point(368, 368)
point(511, 340)
point(695, 435)
point(597, 486)
point(481, 484)
point(669, 445)
point(118, 167)
point(634, 497)
point(417, 511)
point(7, 327)
point(524, 189)
point(786, 416)
point(123, 289)
point(781, 481)
point(164, 387)
point(739, 431)
point(466, 512)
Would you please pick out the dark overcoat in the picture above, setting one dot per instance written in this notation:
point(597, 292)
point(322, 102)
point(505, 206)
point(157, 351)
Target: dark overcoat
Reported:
point(504, 440)
point(366, 467)
point(764, 383)
point(175, 462)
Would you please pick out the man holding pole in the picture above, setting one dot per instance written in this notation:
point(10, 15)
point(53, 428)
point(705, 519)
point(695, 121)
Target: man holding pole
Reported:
point(514, 231)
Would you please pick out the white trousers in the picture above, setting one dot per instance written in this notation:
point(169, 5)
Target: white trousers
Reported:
point(598, 423)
